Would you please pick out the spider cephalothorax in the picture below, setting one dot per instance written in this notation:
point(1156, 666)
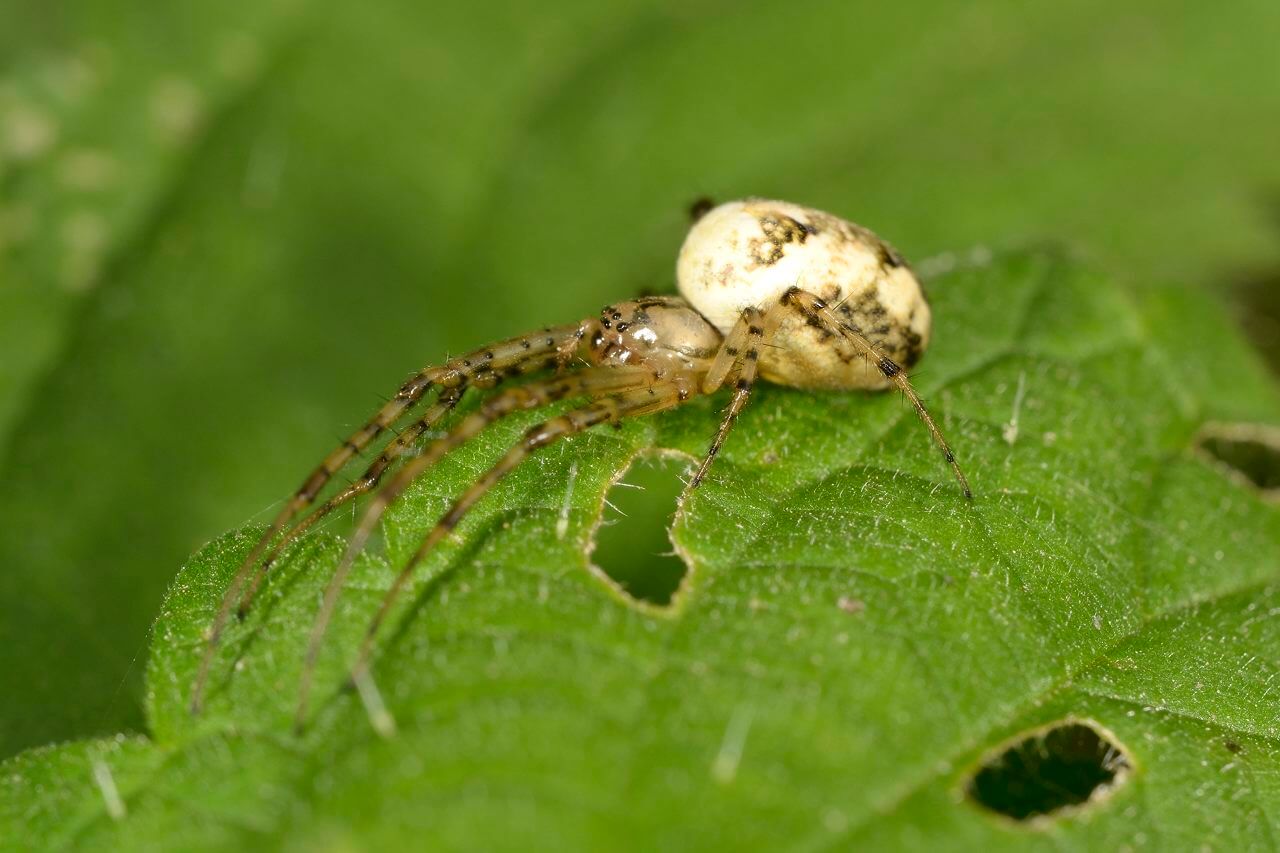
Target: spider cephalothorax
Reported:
point(770, 289)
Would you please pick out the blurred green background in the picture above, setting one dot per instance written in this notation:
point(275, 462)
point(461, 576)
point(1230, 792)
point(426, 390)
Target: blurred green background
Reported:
point(226, 228)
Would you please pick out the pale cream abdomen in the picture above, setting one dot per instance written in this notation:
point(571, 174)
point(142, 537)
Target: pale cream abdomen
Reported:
point(748, 253)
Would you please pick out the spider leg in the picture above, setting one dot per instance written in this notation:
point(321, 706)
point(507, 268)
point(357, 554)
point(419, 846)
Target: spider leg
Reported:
point(372, 475)
point(613, 407)
point(730, 353)
point(741, 349)
point(816, 313)
point(594, 381)
point(482, 367)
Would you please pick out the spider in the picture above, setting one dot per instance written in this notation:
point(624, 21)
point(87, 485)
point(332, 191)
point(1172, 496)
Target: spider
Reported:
point(769, 290)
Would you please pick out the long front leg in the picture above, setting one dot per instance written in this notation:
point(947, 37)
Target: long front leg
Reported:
point(367, 481)
point(591, 382)
point(610, 408)
point(482, 368)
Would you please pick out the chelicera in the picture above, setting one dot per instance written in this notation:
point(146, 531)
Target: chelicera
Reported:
point(768, 289)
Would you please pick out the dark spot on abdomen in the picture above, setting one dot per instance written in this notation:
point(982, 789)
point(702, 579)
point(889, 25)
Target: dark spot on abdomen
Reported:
point(913, 348)
point(888, 256)
point(700, 208)
point(778, 231)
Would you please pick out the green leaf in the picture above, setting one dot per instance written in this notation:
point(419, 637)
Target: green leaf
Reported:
point(852, 641)
point(179, 342)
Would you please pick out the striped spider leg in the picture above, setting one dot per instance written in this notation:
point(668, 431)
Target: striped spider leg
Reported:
point(483, 368)
point(402, 445)
point(642, 357)
point(756, 329)
point(817, 313)
point(741, 355)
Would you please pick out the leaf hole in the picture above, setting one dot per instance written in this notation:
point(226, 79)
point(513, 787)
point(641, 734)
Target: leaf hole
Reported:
point(631, 547)
point(1250, 451)
point(1050, 771)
